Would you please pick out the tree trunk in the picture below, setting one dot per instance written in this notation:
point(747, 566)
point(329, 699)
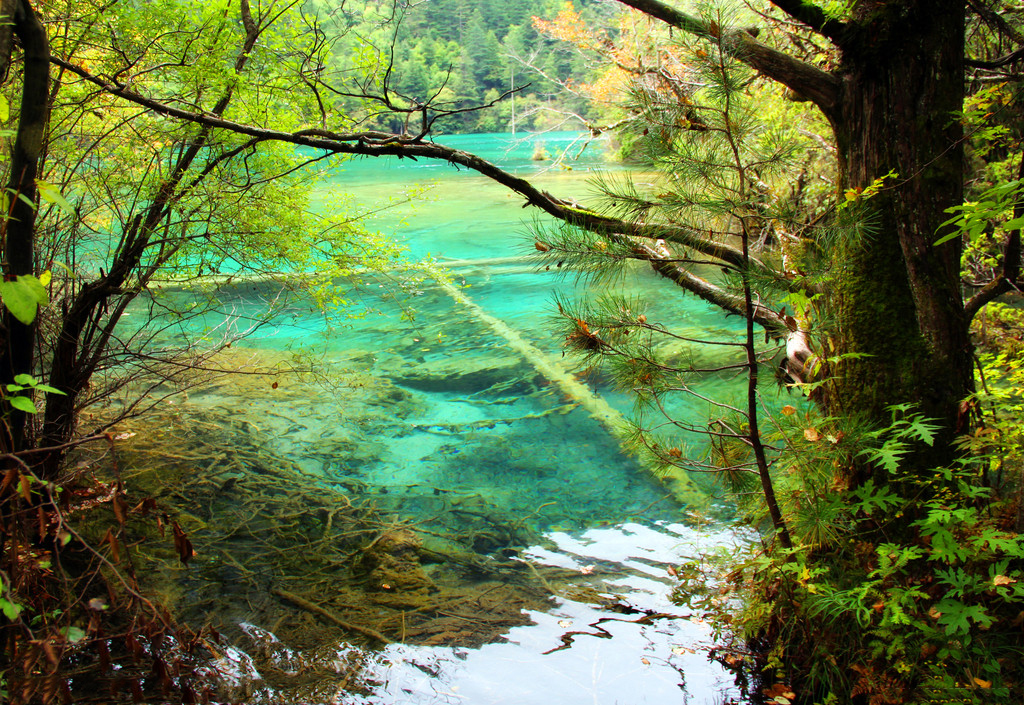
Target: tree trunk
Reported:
point(898, 298)
point(16, 356)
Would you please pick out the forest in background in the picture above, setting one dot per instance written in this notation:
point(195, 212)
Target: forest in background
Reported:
point(466, 53)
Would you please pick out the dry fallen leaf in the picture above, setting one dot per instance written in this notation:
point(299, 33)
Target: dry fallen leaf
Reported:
point(779, 693)
point(565, 623)
point(788, 410)
point(1003, 580)
point(811, 434)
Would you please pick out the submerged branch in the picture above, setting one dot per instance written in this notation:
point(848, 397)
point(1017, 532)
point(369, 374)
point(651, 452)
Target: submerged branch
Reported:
point(327, 614)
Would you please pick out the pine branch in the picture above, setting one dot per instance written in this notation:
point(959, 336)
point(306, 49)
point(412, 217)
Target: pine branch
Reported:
point(820, 87)
point(666, 265)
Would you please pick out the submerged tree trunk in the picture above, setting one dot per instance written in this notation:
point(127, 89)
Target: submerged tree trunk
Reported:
point(898, 295)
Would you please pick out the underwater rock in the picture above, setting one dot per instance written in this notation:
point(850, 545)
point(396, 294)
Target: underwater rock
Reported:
point(465, 374)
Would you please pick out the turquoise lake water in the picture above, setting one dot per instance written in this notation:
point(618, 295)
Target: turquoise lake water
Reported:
point(478, 421)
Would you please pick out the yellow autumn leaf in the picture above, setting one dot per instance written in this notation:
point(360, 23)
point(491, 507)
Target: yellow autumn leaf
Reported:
point(788, 410)
point(982, 683)
point(812, 434)
point(1003, 580)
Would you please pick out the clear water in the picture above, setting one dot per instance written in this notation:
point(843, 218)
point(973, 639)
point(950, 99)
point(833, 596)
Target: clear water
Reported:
point(479, 422)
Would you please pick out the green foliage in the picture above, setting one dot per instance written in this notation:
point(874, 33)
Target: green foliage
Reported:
point(933, 611)
point(892, 443)
point(23, 383)
point(25, 295)
point(910, 584)
point(995, 206)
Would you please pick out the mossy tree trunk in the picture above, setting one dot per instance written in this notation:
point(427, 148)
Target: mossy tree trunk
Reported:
point(893, 102)
point(898, 297)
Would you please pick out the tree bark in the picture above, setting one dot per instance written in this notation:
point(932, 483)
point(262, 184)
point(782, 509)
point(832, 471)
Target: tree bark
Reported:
point(16, 356)
point(898, 295)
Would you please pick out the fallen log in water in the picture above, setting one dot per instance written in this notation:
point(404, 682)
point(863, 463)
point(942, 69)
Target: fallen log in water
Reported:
point(600, 410)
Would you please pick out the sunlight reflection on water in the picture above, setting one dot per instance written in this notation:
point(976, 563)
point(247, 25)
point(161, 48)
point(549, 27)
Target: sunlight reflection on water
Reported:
point(577, 652)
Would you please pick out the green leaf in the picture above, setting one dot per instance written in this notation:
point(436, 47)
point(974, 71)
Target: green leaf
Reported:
point(51, 194)
point(23, 404)
point(955, 615)
point(19, 301)
point(27, 380)
point(73, 634)
point(39, 291)
point(23, 297)
point(5, 109)
point(49, 390)
point(1014, 224)
point(10, 609)
point(26, 200)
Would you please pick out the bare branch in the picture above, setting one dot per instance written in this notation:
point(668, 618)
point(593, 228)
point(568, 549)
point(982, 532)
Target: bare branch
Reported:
point(815, 18)
point(662, 261)
point(996, 63)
